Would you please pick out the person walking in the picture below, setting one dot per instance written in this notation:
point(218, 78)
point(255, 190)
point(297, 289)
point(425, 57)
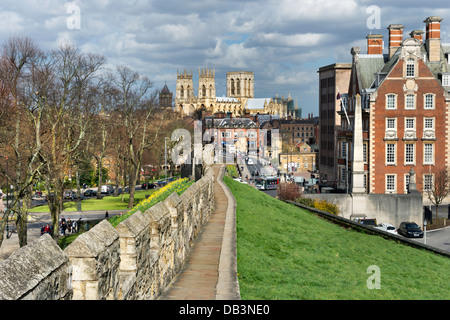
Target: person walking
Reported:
point(106, 214)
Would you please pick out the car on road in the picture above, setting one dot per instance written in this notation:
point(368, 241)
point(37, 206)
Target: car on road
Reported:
point(410, 230)
point(239, 180)
point(68, 195)
point(150, 185)
point(386, 227)
point(250, 161)
point(367, 222)
point(90, 193)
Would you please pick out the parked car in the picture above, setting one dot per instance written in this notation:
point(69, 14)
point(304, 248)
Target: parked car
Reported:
point(68, 195)
point(150, 185)
point(410, 230)
point(387, 227)
point(367, 222)
point(239, 180)
point(90, 193)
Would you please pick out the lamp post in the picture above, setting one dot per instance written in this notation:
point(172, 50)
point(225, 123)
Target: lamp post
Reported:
point(425, 231)
point(165, 158)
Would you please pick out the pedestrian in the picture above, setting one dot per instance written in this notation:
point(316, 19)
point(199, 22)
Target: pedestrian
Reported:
point(47, 228)
point(74, 227)
point(79, 224)
point(64, 227)
point(42, 230)
point(69, 225)
point(106, 214)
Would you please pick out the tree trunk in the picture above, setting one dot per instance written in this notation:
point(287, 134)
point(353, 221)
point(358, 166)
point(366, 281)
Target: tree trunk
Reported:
point(78, 200)
point(100, 182)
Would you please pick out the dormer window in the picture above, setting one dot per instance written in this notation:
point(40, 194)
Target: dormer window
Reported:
point(446, 80)
point(410, 68)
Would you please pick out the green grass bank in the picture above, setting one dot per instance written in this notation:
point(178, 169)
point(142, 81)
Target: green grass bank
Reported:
point(288, 253)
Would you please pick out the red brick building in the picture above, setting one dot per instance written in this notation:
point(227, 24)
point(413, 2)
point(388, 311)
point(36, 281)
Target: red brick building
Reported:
point(404, 109)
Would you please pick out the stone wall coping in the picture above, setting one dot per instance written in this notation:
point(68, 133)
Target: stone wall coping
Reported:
point(133, 225)
point(92, 243)
point(28, 266)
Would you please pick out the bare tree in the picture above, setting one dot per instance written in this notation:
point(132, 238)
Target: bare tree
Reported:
point(21, 66)
point(135, 109)
point(438, 188)
point(69, 107)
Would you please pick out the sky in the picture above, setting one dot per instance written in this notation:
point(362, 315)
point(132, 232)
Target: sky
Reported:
point(284, 42)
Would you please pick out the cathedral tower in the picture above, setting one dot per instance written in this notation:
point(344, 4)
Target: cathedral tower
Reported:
point(240, 84)
point(206, 84)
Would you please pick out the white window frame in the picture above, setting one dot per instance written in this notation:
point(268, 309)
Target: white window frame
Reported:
point(407, 180)
point(426, 104)
point(426, 155)
point(410, 159)
point(391, 183)
point(425, 126)
point(390, 121)
point(446, 80)
point(413, 101)
point(408, 121)
point(389, 155)
point(390, 106)
point(410, 68)
point(426, 181)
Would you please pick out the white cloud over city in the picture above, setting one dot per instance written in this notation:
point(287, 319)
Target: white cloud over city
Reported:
point(283, 42)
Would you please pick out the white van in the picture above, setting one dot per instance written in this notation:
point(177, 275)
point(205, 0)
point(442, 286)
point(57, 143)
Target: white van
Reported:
point(107, 189)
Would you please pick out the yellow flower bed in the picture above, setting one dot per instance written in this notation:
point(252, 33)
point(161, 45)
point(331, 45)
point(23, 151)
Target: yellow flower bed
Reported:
point(178, 186)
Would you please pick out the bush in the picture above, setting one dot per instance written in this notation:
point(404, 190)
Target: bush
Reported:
point(326, 206)
point(289, 191)
point(231, 170)
point(319, 205)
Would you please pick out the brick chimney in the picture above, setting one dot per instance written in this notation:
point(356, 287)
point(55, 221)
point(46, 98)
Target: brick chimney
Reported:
point(417, 34)
point(433, 38)
point(395, 38)
point(374, 44)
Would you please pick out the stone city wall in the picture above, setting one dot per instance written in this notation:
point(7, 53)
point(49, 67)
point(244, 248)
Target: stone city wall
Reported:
point(135, 261)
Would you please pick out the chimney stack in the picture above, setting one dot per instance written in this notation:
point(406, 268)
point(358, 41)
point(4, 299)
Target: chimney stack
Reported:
point(374, 44)
point(395, 38)
point(433, 38)
point(417, 34)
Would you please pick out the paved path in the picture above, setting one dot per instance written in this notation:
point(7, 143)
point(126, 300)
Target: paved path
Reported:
point(210, 271)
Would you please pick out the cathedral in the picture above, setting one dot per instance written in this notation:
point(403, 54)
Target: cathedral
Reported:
point(239, 101)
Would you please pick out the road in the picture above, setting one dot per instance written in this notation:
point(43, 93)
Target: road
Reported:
point(437, 238)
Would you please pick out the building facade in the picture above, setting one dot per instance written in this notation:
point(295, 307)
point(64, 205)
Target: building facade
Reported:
point(398, 111)
point(333, 79)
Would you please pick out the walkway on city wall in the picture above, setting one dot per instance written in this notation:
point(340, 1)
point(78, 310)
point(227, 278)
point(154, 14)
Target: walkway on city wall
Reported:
point(210, 270)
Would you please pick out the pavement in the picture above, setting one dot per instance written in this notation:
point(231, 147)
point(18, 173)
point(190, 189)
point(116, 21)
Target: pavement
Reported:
point(210, 270)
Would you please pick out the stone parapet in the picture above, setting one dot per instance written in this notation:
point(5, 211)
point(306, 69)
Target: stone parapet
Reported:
point(136, 260)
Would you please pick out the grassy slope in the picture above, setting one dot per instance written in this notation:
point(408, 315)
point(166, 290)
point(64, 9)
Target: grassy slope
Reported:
point(285, 252)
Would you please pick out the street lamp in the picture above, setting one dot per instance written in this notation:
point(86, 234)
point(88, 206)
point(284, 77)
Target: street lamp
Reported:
point(425, 231)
